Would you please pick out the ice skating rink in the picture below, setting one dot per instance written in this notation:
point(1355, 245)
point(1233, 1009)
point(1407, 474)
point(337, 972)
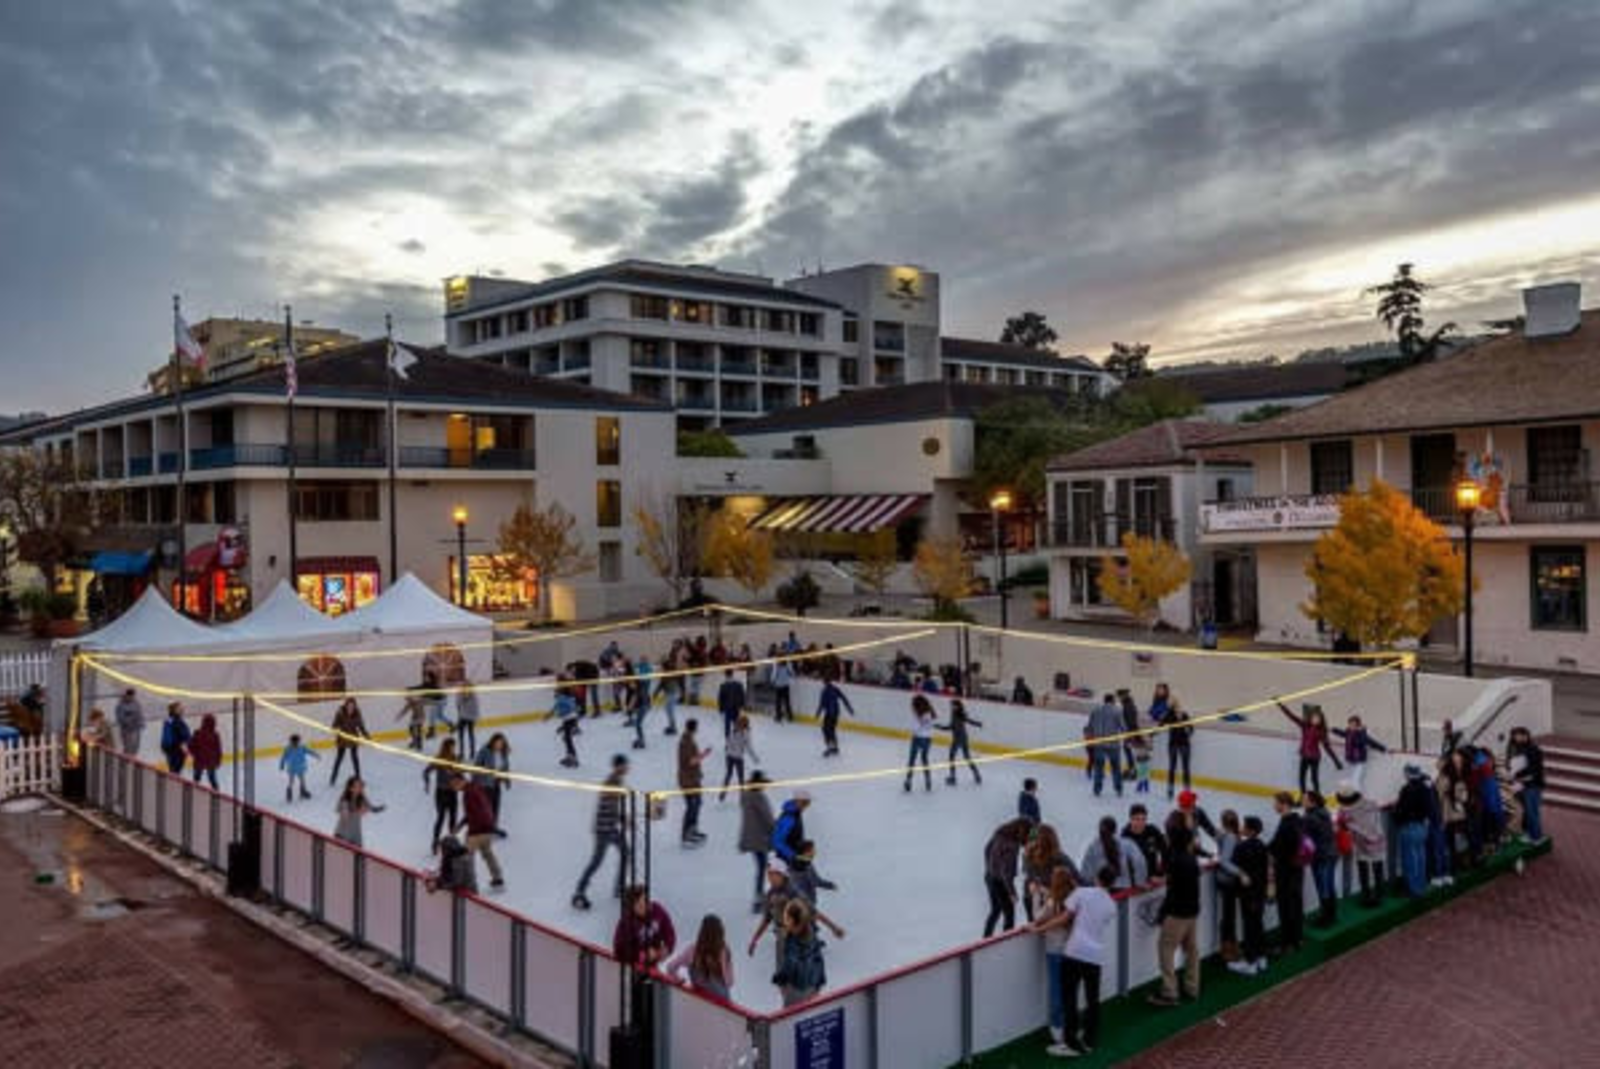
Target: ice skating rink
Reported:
point(909, 865)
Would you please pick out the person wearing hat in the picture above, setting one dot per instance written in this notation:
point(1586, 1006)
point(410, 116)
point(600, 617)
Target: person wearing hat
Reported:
point(1361, 818)
point(1412, 812)
point(756, 823)
point(608, 831)
point(1198, 819)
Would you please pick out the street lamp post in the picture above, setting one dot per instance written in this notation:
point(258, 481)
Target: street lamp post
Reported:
point(459, 514)
point(1000, 502)
point(1468, 496)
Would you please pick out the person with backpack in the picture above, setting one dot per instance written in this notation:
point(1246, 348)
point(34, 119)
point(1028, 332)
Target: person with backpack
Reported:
point(1000, 857)
point(175, 738)
point(205, 750)
point(756, 823)
point(960, 720)
point(1253, 862)
point(1292, 852)
point(1314, 741)
point(609, 832)
point(349, 728)
point(1525, 762)
point(1180, 914)
point(829, 702)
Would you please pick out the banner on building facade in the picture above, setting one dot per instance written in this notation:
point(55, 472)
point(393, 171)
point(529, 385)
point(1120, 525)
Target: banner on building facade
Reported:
point(1291, 512)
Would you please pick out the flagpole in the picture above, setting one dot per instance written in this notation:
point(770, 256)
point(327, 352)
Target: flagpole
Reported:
point(183, 456)
point(292, 387)
point(394, 447)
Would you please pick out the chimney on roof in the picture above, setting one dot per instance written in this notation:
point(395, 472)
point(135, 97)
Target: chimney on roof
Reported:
point(1550, 310)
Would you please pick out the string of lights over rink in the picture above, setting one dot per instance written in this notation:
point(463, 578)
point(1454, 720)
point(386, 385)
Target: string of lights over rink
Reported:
point(766, 615)
point(799, 781)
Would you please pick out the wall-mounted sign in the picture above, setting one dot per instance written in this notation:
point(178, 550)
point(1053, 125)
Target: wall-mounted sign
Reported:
point(1291, 512)
point(819, 1041)
point(232, 549)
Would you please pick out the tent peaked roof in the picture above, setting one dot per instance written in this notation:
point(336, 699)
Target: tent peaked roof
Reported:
point(151, 624)
point(410, 605)
point(284, 614)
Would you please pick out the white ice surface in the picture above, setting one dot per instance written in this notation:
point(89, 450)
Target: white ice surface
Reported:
point(909, 865)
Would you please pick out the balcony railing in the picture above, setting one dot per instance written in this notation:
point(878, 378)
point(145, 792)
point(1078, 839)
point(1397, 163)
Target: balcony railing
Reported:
point(651, 360)
point(697, 364)
point(139, 467)
point(1555, 503)
point(339, 455)
point(575, 362)
point(168, 463)
point(421, 456)
point(1105, 532)
point(1438, 503)
point(738, 367)
point(239, 454)
point(740, 404)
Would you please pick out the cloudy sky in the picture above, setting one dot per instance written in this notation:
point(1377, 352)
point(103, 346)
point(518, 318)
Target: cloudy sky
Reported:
point(1212, 178)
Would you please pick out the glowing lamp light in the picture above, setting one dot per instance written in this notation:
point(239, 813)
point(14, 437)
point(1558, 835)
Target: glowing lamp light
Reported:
point(1000, 500)
point(459, 514)
point(1468, 495)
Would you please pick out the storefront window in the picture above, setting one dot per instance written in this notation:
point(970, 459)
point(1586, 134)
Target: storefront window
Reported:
point(492, 588)
point(337, 592)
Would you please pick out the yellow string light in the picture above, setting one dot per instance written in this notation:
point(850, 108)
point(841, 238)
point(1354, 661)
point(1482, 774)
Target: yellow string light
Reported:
point(1041, 751)
point(539, 683)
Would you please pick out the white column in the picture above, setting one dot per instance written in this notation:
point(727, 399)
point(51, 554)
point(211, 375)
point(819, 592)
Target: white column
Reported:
point(1377, 462)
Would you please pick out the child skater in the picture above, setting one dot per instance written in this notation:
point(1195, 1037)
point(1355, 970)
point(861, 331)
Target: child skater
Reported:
point(1314, 741)
point(417, 714)
point(568, 715)
point(353, 806)
point(734, 752)
point(923, 718)
point(1143, 753)
point(1357, 742)
point(295, 762)
point(959, 742)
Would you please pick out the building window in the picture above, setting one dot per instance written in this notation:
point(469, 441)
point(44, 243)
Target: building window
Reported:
point(574, 308)
point(224, 503)
point(337, 585)
point(611, 562)
point(1084, 578)
point(849, 371)
point(519, 322)
point(691, 312)
point(608, 503)
point(736, 316)
point(810, 324)
point(494, 584)
point(1225, 491)
point(778, 322)
point(642, 306)
point(1559, 588)
point(329, 501)
point(890, 337)
point(607, 440)
point(1333, 469)
point(1555, 461)
point(320, 677)
point(852, 330)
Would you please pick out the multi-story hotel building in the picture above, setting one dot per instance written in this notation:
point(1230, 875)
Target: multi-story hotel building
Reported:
point(464, 434)
point(724, 346)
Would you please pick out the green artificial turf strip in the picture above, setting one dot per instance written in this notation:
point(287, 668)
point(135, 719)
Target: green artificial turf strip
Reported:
point(1129, 1025)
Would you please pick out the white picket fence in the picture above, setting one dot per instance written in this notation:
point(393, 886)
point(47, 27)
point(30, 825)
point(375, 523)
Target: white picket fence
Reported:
point(20, 670)
point(30, 765)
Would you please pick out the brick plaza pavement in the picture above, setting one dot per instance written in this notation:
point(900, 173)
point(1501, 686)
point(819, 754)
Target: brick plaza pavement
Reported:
point(1507, 976)
point(116, 964)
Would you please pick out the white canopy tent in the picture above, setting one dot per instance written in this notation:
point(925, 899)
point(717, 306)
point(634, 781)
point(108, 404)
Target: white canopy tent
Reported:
point(287, 650)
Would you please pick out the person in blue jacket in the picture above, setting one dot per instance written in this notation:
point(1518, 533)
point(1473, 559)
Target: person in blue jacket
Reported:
point(296, 759)
point(175, 738)
point(832, 699)
point(790, 830)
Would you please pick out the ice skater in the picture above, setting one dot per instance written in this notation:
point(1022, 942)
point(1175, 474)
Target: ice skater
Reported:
point(608, 832)
point(832, 699)
point(755, 828)
point(1143, 755)
point(1357, 741)
point(294, 763)
point(350, 728)
point(1000, 857)
point(923, 717)
point(782, 690)
point(731, 700)
point(691, 777)
point(175, 738)
point(433, 699)
point(129, 715)
point(569, 724)
point(493, 762)
point(735, 752)
point(1180, 739)
point(478, 823)
point(1314, 741)
point(466, 718)
point(640, 699)
point(205, 750)
point(1105, 723)
point(959, 742)
point(353, 807)
point(415, 716)
point(445, 798)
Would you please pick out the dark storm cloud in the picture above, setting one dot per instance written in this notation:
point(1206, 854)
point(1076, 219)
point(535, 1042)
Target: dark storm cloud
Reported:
point(603, 27)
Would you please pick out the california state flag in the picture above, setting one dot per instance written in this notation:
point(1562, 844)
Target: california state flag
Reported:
point(188, 348)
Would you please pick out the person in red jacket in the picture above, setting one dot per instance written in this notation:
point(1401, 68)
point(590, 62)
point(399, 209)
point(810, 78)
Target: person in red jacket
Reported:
point(205, 751)
point(478, 820)
point(644, 936)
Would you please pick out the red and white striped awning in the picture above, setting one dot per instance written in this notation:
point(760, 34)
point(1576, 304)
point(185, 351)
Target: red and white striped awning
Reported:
point(843, 513)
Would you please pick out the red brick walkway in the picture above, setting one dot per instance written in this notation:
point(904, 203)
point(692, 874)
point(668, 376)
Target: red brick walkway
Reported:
point(176, 982)
point(1507, 976)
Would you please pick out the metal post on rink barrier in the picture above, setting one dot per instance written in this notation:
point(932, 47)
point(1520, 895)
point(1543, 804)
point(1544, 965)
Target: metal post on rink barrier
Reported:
point(250, 751)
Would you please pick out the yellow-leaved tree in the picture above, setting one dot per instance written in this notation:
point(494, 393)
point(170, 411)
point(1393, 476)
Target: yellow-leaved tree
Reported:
point(877, 562)
point(1151, 569)
point(943, 572)
point(1385, 572)
point(735, 549)
point(544, 542)
point(671, 539)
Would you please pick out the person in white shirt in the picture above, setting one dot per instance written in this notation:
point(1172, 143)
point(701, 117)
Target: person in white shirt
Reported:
point(923, 719)
point(1090, 911)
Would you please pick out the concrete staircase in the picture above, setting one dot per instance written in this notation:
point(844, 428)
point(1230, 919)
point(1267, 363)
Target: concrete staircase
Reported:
point(1571, 775)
